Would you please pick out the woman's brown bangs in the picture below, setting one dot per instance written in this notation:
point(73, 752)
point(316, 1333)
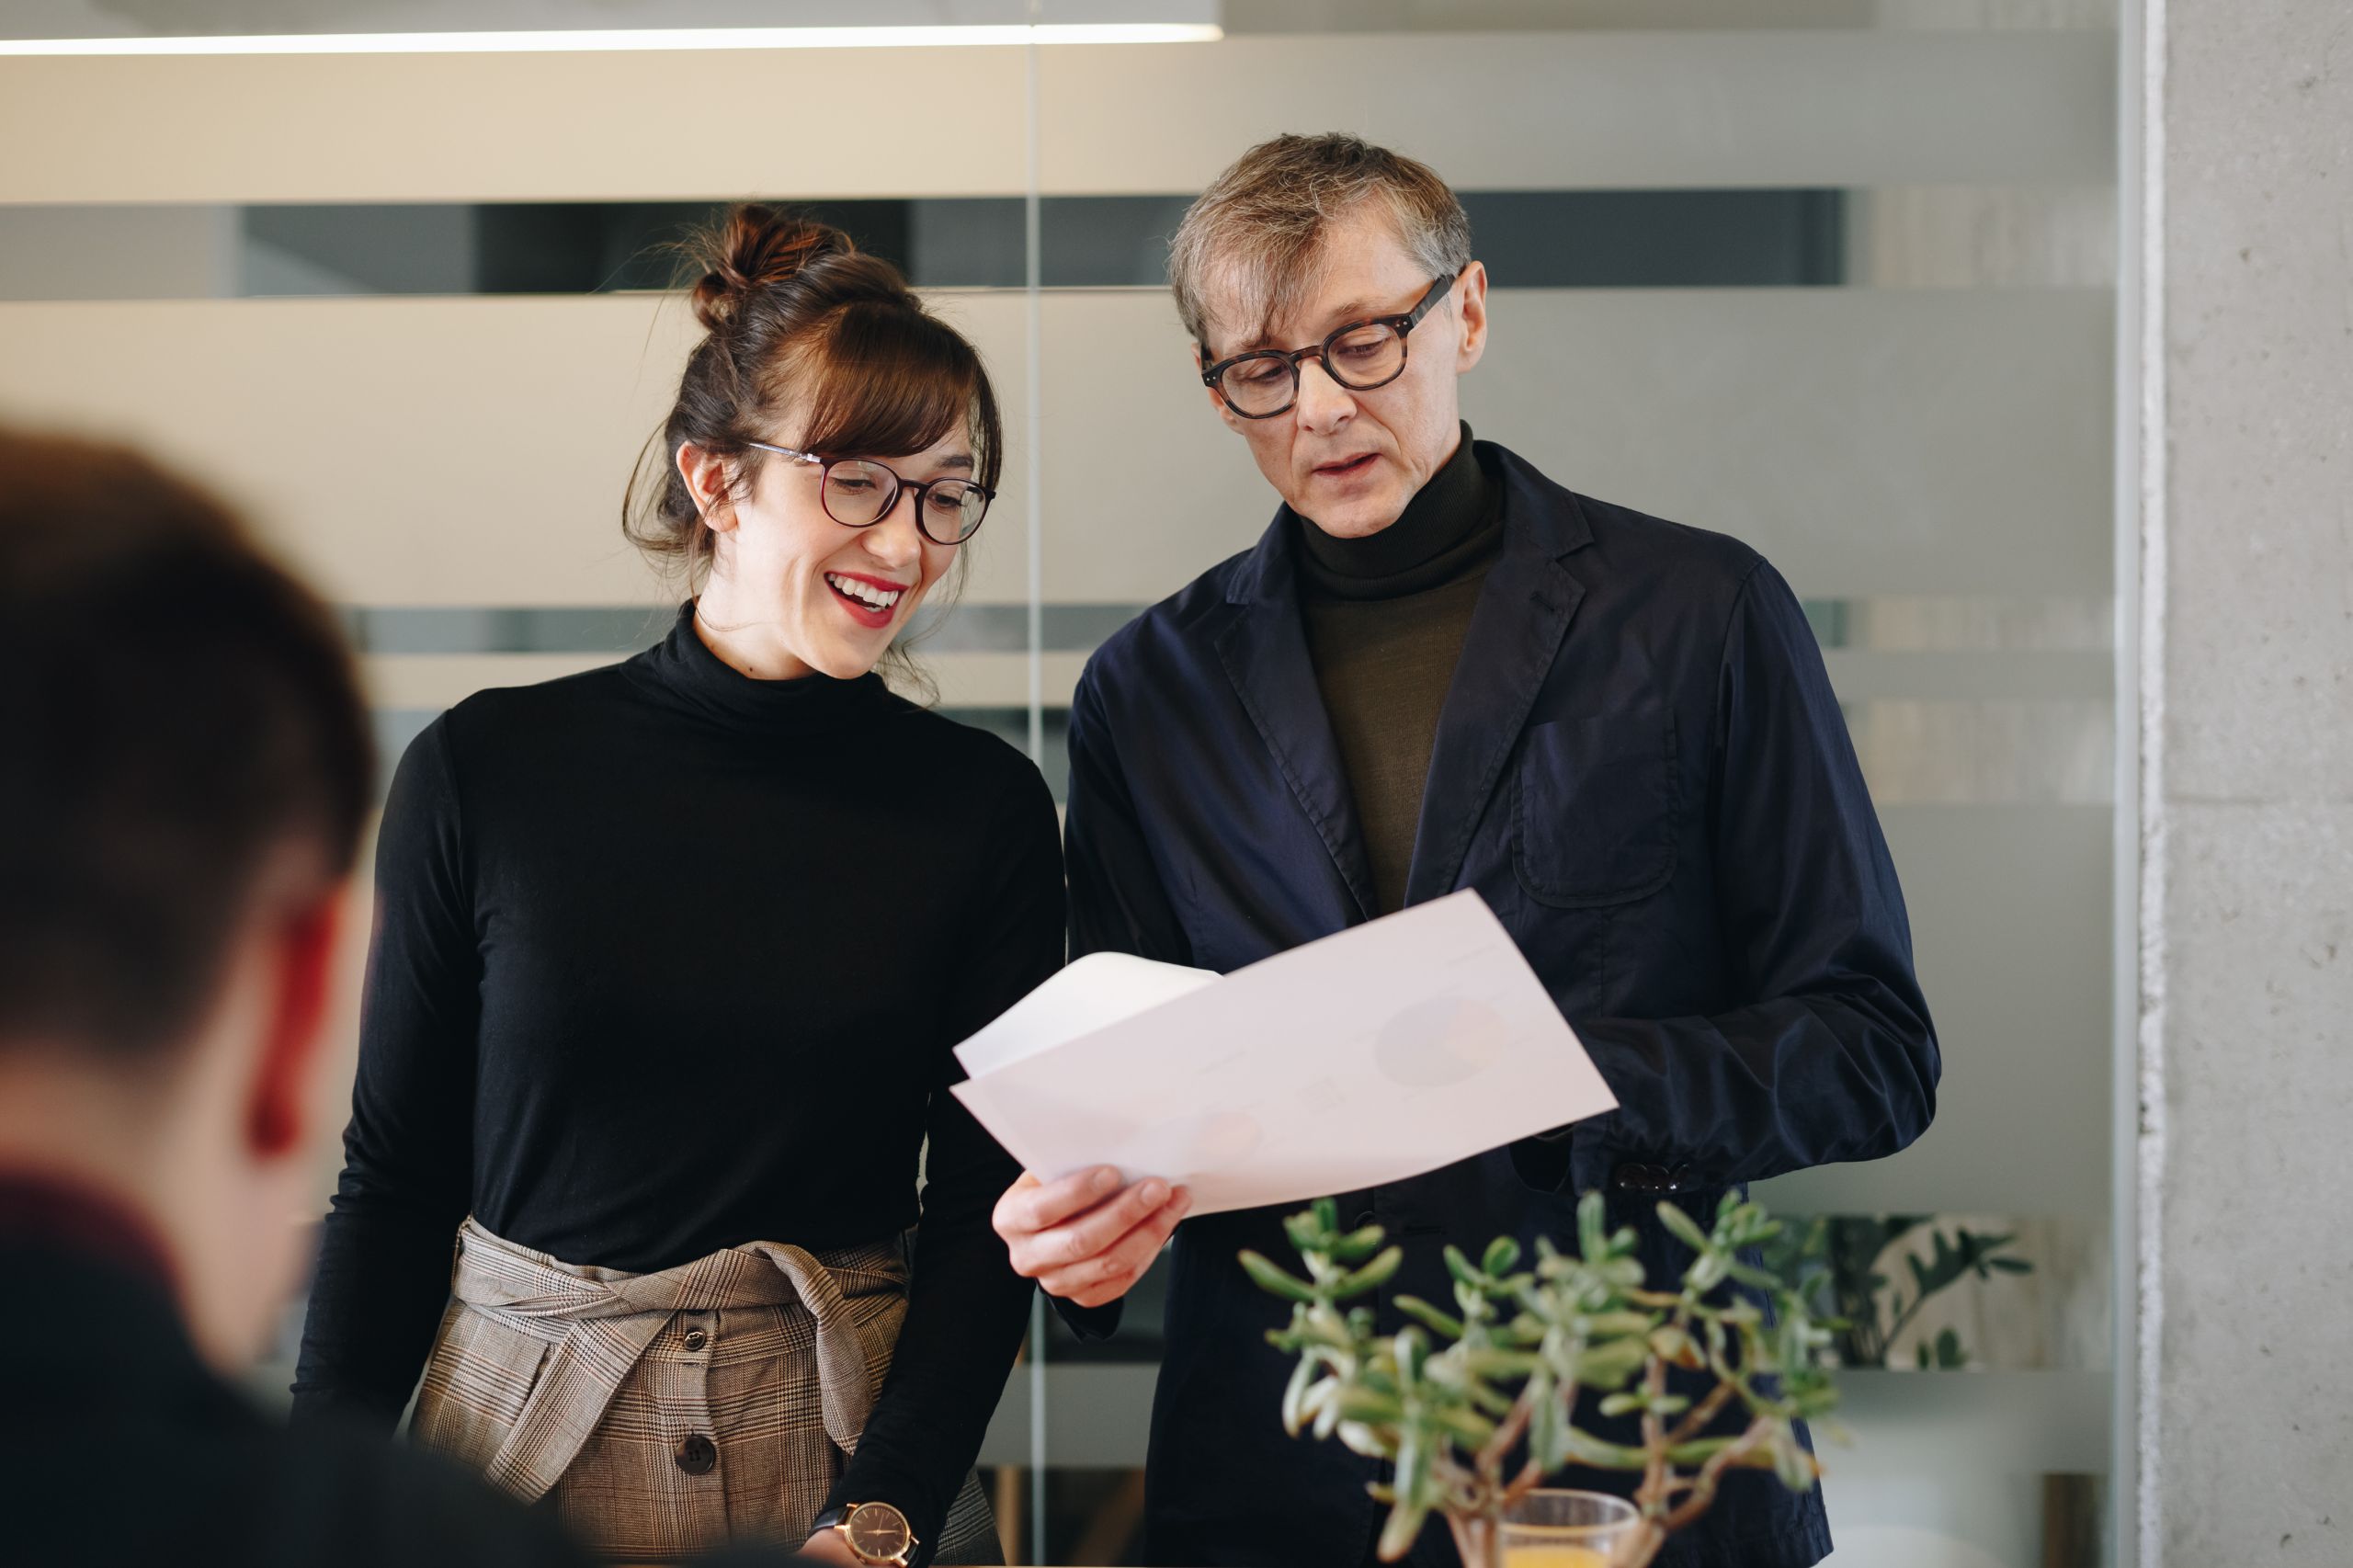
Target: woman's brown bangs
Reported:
point(885, 381)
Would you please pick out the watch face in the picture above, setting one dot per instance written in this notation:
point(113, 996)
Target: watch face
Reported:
point(878, 1531)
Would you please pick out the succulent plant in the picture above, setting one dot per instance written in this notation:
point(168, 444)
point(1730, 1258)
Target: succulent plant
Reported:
point(1475, 1407)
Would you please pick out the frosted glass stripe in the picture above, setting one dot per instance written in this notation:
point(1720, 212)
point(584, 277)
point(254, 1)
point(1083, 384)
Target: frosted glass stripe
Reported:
point(1952, 442)
point(1564, 109)
point(1956, 440)
point(1601, 109)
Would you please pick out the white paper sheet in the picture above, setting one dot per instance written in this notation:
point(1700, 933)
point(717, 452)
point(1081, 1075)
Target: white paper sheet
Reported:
point(1388, 1050)
point(1092, 993)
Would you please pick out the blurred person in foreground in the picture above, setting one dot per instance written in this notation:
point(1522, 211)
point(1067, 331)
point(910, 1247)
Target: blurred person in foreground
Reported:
point(183, 779)
point(1439, 670)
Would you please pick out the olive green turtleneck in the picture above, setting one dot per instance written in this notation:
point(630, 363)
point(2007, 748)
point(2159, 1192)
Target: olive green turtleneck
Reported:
point(1386, 616)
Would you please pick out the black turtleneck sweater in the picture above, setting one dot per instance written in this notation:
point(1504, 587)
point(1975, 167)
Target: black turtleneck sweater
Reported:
point(669, 960)
point(1386, 616)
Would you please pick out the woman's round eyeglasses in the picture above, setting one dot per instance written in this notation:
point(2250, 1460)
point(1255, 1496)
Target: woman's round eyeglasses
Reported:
point(858, 492)
point(1360, 355)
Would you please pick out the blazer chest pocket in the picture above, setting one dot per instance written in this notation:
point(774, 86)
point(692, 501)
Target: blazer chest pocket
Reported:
point(1596, 815)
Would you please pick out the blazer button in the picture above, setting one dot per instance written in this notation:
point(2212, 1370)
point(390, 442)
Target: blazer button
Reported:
point(698, 1455)
point(694, 1339)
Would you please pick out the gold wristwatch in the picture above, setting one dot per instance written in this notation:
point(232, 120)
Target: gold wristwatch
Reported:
point(874, 1532)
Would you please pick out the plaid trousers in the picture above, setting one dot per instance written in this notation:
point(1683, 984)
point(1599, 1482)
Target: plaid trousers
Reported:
point(665, 1415)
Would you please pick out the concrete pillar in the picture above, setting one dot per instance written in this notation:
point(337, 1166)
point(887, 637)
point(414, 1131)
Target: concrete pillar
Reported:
point(2248, 818)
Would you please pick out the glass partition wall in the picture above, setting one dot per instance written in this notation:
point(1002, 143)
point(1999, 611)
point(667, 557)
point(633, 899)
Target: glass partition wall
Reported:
point(1837, 277)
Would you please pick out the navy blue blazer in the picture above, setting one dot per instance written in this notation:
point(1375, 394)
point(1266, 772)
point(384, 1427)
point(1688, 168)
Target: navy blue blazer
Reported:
point(1641, 767)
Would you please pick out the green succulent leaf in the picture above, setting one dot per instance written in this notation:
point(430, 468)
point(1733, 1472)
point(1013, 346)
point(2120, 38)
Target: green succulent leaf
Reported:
point(1492, 1362)
point(1585, 1448)
point(1428, 1316)
point(1376, 1272)
point(1325, 1408)
point(1274, 1281)
point(1466, 1427)
point(1397, 1537)
point(1503, 1255)
point(1790, 1461)
point(1610, 1366)
point(1592, 1224)
point(1295, 1397)
point(1683, 1227)
point(1544, 1421)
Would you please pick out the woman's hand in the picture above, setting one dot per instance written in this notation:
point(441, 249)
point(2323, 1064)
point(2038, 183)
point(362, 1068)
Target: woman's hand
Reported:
point(1085, 1238)
point(830, 1546)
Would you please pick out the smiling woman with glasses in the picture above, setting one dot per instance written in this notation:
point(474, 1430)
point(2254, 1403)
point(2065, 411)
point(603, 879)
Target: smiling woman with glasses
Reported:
point(630, 1038)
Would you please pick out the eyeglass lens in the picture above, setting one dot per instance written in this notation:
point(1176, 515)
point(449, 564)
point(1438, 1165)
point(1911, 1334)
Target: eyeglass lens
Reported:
point(1360, 359)
point(861, 494)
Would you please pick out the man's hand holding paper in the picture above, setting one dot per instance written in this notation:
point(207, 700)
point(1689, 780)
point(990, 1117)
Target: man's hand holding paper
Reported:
point(1388, 1050)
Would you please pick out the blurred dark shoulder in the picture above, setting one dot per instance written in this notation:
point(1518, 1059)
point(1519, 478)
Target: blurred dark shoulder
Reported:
point(119, 1446)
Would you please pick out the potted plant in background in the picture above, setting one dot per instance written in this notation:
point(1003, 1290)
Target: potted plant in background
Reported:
point(1475, 1408)
point(1871, 1308)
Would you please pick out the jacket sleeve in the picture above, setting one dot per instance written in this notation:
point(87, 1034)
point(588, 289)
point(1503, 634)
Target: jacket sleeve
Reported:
point(384, 1269)
point(966, 1308)
point(1117, 902)
point(1834, 1057)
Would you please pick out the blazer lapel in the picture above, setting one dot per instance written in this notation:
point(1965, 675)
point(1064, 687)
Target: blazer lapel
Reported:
point(1515, 631)
point(1264, 649)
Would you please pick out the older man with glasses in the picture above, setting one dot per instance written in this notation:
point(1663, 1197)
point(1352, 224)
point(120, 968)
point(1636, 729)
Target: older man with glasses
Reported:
point(1437, 670)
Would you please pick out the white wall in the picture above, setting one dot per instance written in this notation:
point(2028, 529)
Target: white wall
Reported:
point(2256, 918)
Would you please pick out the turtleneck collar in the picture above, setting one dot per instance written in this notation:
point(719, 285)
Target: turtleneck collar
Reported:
point(683, 669)
point(1453, 524)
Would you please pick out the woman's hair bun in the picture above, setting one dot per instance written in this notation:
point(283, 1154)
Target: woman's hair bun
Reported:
point(756, 248)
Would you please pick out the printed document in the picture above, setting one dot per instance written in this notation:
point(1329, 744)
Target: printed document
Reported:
point(1387, 1050)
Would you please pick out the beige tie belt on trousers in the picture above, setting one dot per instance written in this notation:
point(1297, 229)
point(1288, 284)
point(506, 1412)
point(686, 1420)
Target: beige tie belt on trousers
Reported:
point(668, 1414)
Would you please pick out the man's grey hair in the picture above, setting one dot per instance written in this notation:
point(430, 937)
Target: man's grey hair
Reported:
point(1256, 233)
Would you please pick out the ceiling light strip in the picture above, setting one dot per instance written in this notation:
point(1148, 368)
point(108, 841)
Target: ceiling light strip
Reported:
point(610, 39)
